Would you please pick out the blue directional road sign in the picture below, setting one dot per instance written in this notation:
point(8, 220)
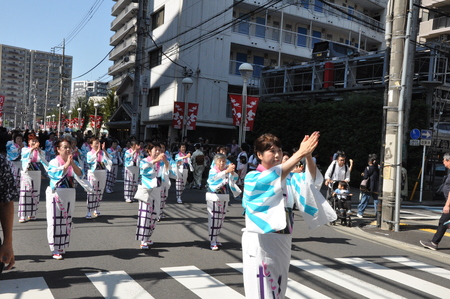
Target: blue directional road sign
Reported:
point(426, 134)
point(414, 134)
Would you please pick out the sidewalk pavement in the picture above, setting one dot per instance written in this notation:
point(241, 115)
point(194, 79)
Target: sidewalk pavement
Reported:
point(411, 231)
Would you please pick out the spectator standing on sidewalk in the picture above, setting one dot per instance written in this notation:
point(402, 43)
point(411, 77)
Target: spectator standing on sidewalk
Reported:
point(371, 172)
point(444, 221)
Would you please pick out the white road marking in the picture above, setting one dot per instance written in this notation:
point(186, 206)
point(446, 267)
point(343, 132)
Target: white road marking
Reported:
point(346, 281)
point(117, 285)
point(201, 283)
point(25, 288)
point(430, 288)
point(294, 290)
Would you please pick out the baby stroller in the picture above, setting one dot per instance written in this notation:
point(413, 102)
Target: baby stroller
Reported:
point(340, 199)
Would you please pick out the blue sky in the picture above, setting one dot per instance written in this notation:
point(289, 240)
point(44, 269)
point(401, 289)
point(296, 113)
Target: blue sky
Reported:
point(41, 25)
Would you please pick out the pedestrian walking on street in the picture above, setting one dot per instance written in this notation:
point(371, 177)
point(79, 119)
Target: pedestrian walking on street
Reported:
point(444, 221)
point(372, 173)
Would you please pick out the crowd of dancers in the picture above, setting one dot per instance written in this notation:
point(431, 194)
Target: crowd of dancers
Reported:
point(94, 166)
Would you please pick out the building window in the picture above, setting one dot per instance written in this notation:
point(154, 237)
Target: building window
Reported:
point(154, 57)
point(153, 97)
point(157, 18)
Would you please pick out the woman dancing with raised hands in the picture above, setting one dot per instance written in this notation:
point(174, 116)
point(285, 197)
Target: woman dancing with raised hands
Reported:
point(266, 239)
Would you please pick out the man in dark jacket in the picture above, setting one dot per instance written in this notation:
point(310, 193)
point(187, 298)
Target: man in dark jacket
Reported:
point(372, 173)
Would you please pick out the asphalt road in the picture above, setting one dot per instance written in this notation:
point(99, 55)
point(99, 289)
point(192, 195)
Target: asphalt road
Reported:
point(104, 259)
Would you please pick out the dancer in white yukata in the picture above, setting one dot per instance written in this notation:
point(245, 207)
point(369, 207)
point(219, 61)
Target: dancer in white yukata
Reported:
point(151, 173)
point(183, 166)
point(221, 179)
point(30, 180)
point(266, 239)
point(60, 198)
point(50, 147)
point(165, 179)
point(131, 160)
point(115, 155)
point(99, 162)
point(13, 154)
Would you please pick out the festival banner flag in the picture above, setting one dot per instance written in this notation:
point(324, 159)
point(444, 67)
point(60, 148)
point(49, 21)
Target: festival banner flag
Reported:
point(97, 123)
point(252, 105)
point(192, 116)
point(236, 108)
point(178, 114)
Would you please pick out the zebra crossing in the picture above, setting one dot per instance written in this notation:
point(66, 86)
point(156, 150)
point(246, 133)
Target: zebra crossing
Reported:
point(118, 284)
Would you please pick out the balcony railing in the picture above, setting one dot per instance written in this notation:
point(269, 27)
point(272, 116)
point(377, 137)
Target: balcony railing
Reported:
point(442, 22)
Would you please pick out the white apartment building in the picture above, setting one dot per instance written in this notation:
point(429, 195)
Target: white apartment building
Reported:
point(86, 89)
point(124, 40)
point(27, 76)
point(209, 40)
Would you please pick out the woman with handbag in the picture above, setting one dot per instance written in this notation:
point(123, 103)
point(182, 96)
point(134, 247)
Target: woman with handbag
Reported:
point(372, 176)
point(99, 163)
point(60, 198)
point(149, 192)
point(30, 180)
point(221, 179)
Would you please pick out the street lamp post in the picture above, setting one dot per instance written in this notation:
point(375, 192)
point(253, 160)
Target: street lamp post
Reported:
point(48, 122)
point(79, 118)
point(53, 120)
point(95, 119)
point(70, 118)
point(187, 83)
point(246, 70)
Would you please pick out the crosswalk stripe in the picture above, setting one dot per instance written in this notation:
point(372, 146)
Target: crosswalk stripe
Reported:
point(422, 285)
point(201, 283)
point(420, 266)
point(25, 288)
point(346, 281)
point(117, 284)
point(294, 290)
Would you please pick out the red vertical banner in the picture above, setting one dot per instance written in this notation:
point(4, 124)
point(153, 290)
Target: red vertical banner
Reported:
point(178, 114)
point(236, 108)
point(252, 105)
point(92, 120)
point(192, 116)
point(2, 101)
point(99, 121)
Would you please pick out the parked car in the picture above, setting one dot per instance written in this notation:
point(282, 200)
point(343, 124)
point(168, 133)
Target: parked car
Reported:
point(441, 130)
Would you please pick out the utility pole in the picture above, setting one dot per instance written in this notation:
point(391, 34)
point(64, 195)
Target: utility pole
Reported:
point(46, 96)
point(395, 112)
point(35, 105)
point(61, 87)
point(135, 119)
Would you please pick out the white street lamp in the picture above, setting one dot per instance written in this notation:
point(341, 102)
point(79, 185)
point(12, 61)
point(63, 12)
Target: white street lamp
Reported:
point(53, 120)
point(79, 118)
point(70, 118)
point(187, 83)
point(246, 70)
point(95, 119)
point(47, 123)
